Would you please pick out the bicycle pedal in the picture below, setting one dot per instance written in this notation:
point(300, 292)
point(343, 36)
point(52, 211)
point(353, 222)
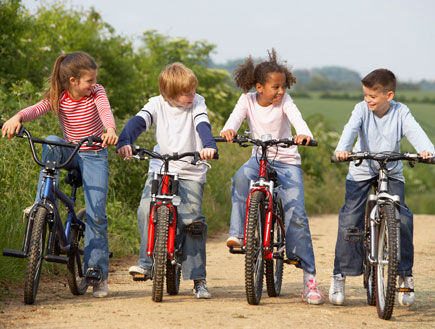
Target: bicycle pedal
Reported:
point(141, 277)
point(94, 276)
point(405, 290)
point(293, 261)
point(237, 250)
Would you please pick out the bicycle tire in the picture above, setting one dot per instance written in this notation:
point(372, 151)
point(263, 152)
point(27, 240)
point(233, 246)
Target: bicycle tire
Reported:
point(369, 269)
point(76, 282)
point(274, 266)
point(387, 256)
point(173, 276)
point(254, 256)
point(35, 256)
point(160, 252)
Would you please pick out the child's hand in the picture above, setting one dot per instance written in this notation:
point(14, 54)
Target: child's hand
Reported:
point(125, 152)
point(109, 137)
point(341, 155)
point(228, 135)
point(426, 155)
point(299, 139)
point(12, 126)
point(207, 153)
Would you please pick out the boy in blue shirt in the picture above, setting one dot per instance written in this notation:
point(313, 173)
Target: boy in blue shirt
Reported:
point(380, 123)
point(181, 123)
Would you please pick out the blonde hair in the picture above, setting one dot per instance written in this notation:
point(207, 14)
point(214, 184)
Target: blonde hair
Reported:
point(65, 67)
point(175, 80)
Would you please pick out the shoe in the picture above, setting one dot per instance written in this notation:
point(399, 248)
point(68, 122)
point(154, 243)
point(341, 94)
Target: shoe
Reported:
point(232, 241)
point(312, 295)
point(102, 290)
point(139, 273)
point(336, 291)
point(26, 211)
point(200, 289)
point(406, 297)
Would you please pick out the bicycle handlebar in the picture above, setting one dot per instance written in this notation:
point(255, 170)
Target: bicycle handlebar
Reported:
point(384, 157)
point(140, 153)
point(241, 140)
point(24, 133)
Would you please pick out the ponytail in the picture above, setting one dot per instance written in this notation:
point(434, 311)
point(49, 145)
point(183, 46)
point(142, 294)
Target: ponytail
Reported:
point(65, 67)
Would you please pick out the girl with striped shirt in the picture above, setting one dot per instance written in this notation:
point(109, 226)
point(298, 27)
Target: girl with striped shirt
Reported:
point(83, 110)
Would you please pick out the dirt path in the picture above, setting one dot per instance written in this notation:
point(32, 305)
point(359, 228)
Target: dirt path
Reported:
point(130, 305)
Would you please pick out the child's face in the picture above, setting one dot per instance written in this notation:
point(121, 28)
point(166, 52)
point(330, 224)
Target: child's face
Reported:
point(184, 100)
point(377, 100)
point(273, 90)
point(82, 87)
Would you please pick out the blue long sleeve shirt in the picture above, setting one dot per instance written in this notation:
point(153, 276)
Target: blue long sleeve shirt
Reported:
point(384, 134)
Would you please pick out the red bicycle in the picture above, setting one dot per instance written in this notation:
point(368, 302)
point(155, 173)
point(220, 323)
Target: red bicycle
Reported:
point(162, 228)
point(264, 238)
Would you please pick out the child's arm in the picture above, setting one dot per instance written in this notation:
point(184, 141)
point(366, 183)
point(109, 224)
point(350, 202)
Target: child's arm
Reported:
point(134, 127)
point(229, 131)
point(12, 126)
point(350, 131)
point(109, 137)
point(208, 142)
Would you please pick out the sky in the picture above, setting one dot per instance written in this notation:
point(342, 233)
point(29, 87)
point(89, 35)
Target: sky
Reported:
point(361, 35)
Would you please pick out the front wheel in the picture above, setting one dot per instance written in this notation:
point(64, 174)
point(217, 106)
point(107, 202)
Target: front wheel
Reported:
point(386, 268)
point(254, 256)
point(160, 252)
point(274, 266)
point(76, 278)
point(368, 268)
point(35, 256)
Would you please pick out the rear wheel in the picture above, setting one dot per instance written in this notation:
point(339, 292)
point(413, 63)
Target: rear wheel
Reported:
point(160, 252)
point(274, 267)
point(76, 278)
point(386, 268)
point(369, 269)
point(35, 256)
point(254, 256)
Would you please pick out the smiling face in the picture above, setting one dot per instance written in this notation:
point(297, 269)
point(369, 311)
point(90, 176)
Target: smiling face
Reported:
point(272, 92)
point(82, 86)
point(378, 100)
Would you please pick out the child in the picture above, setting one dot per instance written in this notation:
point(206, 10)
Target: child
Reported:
point(181, 125)
point(270, 110)
point(83, 110)
point(380, 124)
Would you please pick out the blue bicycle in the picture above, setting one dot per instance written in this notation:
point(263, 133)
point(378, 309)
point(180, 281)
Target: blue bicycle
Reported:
point(65, 242)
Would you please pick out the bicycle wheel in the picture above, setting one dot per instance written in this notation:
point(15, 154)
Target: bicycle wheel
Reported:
point(160, 252)
point(369, 269)
point(254, 256)
point(35, 256)
point(173, 275)
point(274, 267)
point(75, 276)
point(386, 268)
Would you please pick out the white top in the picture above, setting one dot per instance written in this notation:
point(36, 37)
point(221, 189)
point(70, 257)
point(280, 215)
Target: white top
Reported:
point(175, 131)
point(275, 120)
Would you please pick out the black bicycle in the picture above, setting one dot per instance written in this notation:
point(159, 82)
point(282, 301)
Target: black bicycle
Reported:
point(65, 242)
point(381, 243)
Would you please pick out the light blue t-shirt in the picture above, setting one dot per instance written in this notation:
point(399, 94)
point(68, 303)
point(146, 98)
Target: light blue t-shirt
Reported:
point(381, 135)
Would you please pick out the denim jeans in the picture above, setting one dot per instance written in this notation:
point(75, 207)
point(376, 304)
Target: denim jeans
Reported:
point(94, 168)
point(349, 253)
point(291, 191)
point(193, 258)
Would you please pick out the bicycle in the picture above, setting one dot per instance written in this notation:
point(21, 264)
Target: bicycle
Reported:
point(264, 237)
point(162, 228)
point(381, 235)
point(65, 244)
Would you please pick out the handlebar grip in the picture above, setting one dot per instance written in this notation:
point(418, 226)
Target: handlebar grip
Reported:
point(1, 125)
point(95, 139)
point(313, 143)
point(219, 139)
point(335, 160)
point(216, 156)
point(428, 161)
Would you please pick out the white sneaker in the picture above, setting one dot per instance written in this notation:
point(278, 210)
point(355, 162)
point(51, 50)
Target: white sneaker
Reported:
point(312, 295)
point(232, 241)
point(200, 289)
point(407, 296)
point(136, 269)
point(336, 291)
point(102, 290)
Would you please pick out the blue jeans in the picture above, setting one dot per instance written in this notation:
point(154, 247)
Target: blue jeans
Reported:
point(94, 168)
point(349, 253)
point(291, 191)
point(193, 259)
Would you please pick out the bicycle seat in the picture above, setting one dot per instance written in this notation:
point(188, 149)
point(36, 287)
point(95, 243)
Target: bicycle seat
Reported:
point(74, 177)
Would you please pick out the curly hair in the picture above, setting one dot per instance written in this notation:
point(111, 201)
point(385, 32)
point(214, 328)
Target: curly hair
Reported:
point(247, 75)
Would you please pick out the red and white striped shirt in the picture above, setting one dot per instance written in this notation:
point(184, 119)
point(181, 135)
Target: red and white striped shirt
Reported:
point(78, 119)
